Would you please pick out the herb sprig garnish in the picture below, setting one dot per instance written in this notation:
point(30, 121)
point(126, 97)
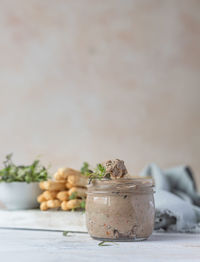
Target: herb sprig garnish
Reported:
point(13, 173)
point(85, 169)
point(98, 173)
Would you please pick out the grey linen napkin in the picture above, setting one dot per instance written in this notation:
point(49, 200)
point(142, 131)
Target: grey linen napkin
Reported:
point(176, 199)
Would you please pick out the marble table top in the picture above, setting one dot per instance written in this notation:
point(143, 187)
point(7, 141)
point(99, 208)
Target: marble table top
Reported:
point(30, 245)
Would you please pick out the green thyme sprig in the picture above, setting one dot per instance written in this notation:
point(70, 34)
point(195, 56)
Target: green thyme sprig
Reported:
point(73, 196)
point(83, 204)
point(13, 173)
point(98, 173)
point(82, 207)
point(85, 170)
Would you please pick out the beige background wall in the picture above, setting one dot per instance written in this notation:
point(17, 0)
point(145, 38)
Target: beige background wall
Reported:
point(93, 80)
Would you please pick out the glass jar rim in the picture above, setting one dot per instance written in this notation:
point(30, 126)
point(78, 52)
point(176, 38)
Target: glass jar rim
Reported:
point(144, 184)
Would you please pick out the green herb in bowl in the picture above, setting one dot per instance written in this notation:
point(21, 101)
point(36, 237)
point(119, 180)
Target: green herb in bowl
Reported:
point(30, 173)
point(19, 184)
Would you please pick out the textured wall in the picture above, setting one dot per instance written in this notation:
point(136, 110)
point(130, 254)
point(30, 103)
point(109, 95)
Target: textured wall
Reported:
point(93, 80)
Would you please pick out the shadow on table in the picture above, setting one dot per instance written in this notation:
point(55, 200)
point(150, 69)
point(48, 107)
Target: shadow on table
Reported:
point(166, 236)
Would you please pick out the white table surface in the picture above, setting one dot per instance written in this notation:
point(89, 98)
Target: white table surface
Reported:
point(32, 246)
point(36, 219)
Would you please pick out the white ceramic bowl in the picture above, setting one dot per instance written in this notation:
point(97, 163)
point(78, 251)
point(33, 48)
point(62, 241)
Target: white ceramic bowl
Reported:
point(19, 195)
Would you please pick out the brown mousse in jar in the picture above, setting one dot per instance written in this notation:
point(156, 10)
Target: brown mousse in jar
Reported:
point(120, 208)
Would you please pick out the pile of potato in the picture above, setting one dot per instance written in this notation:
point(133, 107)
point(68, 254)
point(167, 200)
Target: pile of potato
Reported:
point(67, 191)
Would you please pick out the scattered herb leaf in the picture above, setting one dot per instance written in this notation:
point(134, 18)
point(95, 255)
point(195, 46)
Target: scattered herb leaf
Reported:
point(65, 233)
point(103, 243)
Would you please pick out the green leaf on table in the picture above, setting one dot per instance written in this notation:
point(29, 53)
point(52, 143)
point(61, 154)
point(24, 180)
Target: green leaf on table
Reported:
point(103, 243)
point(65, 233)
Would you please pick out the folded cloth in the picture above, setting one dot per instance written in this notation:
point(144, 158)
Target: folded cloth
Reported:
point(177, 202)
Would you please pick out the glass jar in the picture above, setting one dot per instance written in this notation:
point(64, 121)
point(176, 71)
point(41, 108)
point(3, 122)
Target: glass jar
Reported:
point(120, 210)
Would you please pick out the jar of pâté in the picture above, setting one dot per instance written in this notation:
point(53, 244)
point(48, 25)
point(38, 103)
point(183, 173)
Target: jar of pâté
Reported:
point(120, 209)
